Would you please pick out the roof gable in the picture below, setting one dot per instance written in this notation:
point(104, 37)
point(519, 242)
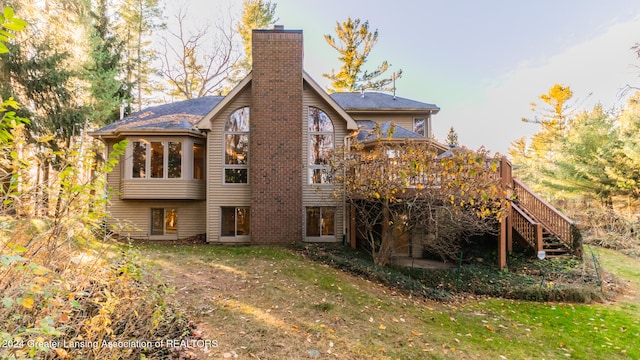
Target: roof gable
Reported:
point(351, 123)
point(205, 122)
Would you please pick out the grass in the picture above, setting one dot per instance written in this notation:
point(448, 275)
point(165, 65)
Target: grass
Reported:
point(560, 279)
point(273, 303)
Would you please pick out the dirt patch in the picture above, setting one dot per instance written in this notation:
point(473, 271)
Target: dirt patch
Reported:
point(422, 263)
point(198, 290)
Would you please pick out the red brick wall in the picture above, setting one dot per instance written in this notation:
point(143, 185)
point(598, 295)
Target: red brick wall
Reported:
point(275, 172)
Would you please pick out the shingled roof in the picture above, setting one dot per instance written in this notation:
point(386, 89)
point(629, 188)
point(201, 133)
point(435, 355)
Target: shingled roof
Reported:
point(376, 101)
point(181, 115)
point(367, 131)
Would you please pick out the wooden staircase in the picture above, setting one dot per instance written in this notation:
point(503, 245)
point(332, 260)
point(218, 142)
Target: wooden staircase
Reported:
point(549, 232)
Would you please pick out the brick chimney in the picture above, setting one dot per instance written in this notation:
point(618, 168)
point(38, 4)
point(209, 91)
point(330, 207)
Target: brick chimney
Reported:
point(275, 161)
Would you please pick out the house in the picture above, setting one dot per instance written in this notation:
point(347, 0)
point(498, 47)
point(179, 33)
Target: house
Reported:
point(252, 167)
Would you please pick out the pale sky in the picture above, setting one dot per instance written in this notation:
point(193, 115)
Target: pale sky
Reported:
point(481, 62)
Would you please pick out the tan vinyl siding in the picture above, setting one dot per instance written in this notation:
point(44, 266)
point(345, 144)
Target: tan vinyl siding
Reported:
point(132, 217)
point(218, 193)
point(314, 194)
point(404, 120)
point(115, 176)
point(167, 189)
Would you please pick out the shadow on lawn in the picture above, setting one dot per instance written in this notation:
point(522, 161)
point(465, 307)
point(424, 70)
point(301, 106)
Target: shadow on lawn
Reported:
point(560, 279)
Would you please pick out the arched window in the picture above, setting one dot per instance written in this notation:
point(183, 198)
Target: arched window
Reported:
point(236, 147)
point(321, 145)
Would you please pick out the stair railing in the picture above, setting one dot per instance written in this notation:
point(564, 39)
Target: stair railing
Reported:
point(552, 219)
point(529, 229)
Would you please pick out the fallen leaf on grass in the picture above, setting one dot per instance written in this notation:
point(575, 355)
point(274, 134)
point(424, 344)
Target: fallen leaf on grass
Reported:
point(27, 302)
point(64, 318)
point(62, 353)
point(382, 327)
point(414, 333)
point(489, 328)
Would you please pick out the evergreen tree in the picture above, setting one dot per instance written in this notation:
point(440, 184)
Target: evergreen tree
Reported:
point(354, 42)
point(552, 118)
point(104, 70)
point(256, 14)
point(452, 137)
point(585, 158)
point(137, 21)
point(540, 155)
point(626, 172)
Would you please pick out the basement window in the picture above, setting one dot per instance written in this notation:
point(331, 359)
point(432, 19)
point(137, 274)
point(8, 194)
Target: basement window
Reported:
point(164, 221)
point(321, 221)
point(235, 221)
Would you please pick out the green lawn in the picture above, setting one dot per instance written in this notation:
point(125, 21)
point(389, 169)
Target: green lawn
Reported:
point(271, 303)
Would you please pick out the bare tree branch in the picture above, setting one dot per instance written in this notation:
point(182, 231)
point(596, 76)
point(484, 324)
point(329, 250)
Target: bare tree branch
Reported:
point(193, 68)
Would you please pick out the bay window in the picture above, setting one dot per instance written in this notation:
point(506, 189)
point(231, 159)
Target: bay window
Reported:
point(163, 159)
point(198, 161)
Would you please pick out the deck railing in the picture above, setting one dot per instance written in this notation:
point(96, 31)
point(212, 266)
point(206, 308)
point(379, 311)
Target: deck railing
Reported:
point(552, 219)
point(529, 229)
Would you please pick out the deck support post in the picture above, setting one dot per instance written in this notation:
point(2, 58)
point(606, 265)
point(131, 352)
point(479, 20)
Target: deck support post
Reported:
point(352, 226)
point(502, 245)
point(509, 221)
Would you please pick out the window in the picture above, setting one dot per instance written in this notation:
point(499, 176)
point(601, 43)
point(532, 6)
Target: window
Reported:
point(321, 146)
point(157, 160)
point(139, 168)
point(162, 158)
point(419, 126)
point(321, 221)
point(198, 161)
point(236, 221)
point(164, 221)
point(174, 162)
point(236, 147)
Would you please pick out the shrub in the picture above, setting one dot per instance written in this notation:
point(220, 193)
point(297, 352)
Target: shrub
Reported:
point(64, 293)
